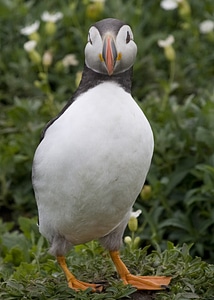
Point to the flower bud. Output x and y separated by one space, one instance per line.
34 36
146 192
50 28
184 9
169 53
133 224
35 57
94 10
37 84
136 242
42 76
47 58
59 66
128 240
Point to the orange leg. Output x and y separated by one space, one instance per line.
73 283
140 282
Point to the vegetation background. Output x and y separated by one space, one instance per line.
172 82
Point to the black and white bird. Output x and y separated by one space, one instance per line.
93 158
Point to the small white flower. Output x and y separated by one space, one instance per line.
167 42
28 30
169 4
206 26
47 17
70 60
136 214
30 45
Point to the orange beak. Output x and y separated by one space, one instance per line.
109 54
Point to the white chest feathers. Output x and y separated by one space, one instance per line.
91 164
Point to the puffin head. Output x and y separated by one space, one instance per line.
110 48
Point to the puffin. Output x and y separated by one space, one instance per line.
94 156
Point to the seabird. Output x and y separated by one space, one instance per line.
93 158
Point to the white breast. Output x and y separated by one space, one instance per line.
91 164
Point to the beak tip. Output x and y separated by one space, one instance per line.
110 72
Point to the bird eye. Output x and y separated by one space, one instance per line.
128 37
89 39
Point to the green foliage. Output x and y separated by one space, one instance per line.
28 271
176 95
181 208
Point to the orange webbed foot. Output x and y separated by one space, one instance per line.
74 283
148 282
140 282
78 285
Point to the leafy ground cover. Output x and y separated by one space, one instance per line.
27 271
172 82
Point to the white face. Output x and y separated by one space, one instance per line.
110 54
